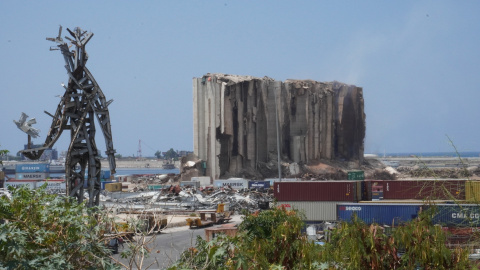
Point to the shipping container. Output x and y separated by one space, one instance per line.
273 180
156 187
314 211
123 178
105 174
195 184
54 185
31 176
462 230
204 180
32 168
125 186
472 191
377 193
369 186
113 187
355 175
424 189
347 191
460 215
259 184
235 184
383 214
29 184
102 184
2 179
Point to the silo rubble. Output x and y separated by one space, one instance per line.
235 128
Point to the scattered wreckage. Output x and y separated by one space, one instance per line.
188 199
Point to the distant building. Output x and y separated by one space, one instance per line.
183 153
48 154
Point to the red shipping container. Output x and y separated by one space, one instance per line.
424 189
346 191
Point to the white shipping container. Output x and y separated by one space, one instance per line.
29 184
314 211
273 180
235 184
31 176
54 186
195 184
204 180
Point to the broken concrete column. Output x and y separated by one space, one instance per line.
235 122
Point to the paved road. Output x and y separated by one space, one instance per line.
166 247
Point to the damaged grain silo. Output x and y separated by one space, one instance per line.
235 128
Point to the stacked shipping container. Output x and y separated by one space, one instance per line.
317 199
347 191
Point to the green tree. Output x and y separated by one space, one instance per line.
269 239
44 231
171 154
3 152
158 154
355 245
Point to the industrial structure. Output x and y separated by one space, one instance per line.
82 102
237 120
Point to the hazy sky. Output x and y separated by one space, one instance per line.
417 61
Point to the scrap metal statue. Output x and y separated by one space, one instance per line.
82 102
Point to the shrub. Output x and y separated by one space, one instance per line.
44 231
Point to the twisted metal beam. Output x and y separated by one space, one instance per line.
82 102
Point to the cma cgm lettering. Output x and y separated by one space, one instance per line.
463 215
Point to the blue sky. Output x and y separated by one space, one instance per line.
417 61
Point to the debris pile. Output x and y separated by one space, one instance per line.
171 195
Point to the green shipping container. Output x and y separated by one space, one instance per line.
155 187
356 175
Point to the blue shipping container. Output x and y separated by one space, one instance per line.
32 168
462 215
383 214
259 184
105 174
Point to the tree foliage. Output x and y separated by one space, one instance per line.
44 231
3 152
415 245
171 154
269 239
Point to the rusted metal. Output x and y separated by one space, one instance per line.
82 102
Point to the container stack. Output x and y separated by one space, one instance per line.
317 199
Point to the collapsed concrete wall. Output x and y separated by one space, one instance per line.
235 127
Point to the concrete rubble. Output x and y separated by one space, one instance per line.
173 197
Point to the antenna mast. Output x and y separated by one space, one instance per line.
139 152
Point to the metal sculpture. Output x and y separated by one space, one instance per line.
82 102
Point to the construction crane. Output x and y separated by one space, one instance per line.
82 102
